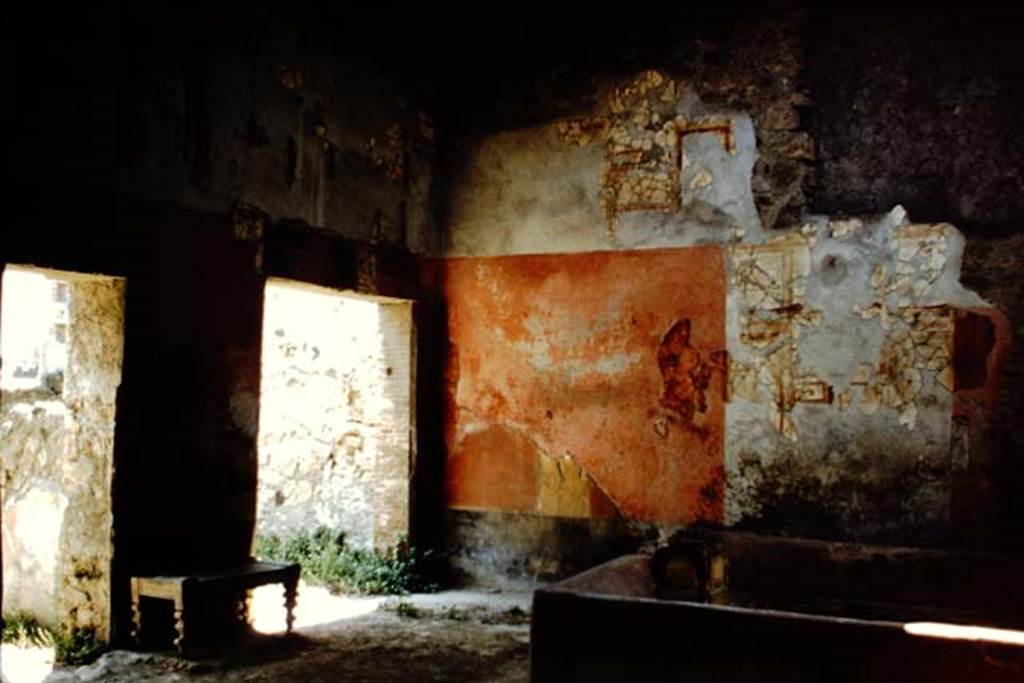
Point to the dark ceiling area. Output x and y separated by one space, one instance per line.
919 106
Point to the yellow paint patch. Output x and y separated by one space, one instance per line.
564 488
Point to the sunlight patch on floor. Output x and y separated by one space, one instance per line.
960 632
25 664
315 606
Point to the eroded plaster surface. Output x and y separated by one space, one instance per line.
842 381
335 425
842 369
652 167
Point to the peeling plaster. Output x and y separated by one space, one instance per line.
771 280
838 369
646 162
841 343
651 167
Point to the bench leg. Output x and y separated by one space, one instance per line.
136 613
242 607
179 625
291 591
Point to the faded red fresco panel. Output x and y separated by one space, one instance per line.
494 469
613 358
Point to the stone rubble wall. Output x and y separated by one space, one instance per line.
334 417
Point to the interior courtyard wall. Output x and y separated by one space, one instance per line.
334 416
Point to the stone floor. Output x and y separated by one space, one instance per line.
447 636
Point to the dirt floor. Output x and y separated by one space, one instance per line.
447 636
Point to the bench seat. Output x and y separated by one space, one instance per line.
186 588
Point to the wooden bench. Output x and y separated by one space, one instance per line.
184 590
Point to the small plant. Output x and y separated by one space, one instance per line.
407 610
24 630
325 559
73 646
78 646
512 615
453 613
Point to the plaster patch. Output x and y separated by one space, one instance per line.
701 179
643 139
838 229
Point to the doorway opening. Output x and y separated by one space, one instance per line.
61 345
336 428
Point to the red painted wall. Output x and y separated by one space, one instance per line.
611 362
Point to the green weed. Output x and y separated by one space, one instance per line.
326 560
24 630
78 646
75 646
407 610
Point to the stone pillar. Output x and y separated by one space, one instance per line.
95 347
